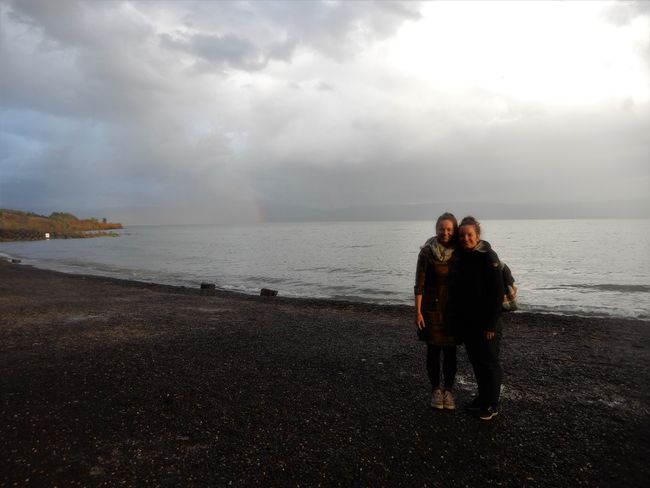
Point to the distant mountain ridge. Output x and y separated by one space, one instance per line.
273 211
632 209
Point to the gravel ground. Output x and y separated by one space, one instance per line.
107 382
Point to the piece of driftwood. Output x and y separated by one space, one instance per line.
266 292
207 286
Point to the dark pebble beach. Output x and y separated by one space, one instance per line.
108 382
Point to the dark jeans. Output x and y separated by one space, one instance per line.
448 365
484 357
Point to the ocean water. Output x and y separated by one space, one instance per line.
583 267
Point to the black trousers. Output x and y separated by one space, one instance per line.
484 357
448 365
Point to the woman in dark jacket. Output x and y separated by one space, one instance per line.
435 268
479 296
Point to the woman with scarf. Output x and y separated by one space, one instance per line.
478 296
434 272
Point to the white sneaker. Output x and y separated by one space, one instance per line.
448 400
436 399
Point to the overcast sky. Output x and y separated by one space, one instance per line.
211 112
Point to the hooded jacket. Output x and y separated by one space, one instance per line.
478 289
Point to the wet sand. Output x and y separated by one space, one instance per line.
108 382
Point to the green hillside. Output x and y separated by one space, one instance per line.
18 225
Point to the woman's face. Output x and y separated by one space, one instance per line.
445 231
468 237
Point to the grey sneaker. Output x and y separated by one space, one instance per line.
448 400
436 399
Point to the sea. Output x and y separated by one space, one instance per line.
574 267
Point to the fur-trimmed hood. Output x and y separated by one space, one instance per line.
482 246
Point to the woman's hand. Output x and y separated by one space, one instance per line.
489 335
419 320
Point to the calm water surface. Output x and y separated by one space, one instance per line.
592 267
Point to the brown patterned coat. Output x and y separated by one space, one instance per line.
433 279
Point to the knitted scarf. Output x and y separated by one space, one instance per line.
440 252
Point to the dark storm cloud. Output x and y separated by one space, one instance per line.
277 29
338 29
226 50
92 59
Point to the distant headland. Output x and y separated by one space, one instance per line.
16 225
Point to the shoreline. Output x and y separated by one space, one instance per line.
108 381
39 236
325 300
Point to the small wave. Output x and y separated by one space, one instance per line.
357 299
263 279
325 269
335 270
339 287
605 287
363 272
373 292
317 268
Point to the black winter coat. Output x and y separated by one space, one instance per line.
478 290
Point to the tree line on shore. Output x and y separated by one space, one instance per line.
19 225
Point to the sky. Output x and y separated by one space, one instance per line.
163 112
